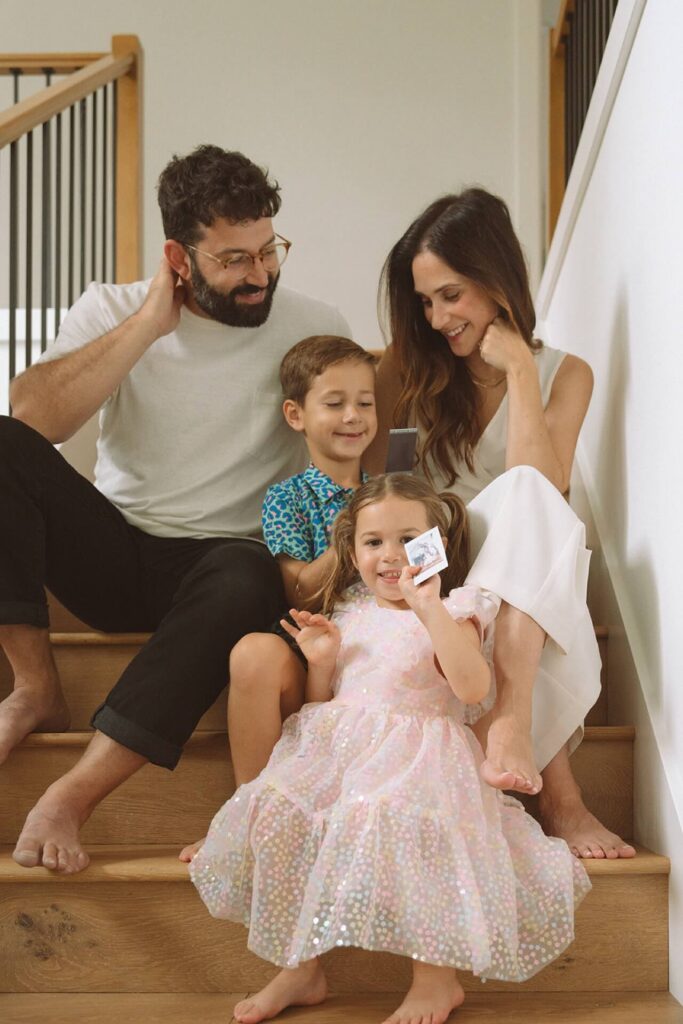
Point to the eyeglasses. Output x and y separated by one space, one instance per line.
241 263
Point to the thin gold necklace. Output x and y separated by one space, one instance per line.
486 383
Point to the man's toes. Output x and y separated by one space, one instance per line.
28 854
626 850
64 860
50 856
81 860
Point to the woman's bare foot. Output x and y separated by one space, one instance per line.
433 995
583 833
27 710
188 853
305 985
50 836
509 762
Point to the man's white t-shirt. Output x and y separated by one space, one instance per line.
194 435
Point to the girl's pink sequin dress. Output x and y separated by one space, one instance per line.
370 825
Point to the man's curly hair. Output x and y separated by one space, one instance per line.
195 190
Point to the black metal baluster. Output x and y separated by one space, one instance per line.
115 150
46 227
72 204
13 244
105 176
16 72
58 227
28 289
93 177
84 161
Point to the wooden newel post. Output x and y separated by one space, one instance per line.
556 130
128 163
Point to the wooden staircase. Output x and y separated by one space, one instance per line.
129 937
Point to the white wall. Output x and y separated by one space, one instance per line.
611 293
364 110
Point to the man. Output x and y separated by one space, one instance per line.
185 372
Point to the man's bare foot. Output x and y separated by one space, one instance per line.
510 760
188 853
433 995
28 710
305 985
50 837
583 833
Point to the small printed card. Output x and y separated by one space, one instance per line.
427 551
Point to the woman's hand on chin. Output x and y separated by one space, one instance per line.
503 347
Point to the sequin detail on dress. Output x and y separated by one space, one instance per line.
370 825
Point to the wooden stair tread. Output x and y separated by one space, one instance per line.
104 639
592 733
133 863
370 1008
98 639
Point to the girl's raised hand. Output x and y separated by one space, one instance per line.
423 596
317 636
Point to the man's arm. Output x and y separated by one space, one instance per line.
58 397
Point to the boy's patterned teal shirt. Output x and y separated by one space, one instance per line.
299 512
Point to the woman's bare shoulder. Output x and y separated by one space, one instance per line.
574 374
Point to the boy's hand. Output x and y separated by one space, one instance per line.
317 637
423 597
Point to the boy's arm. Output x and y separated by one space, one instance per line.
303 580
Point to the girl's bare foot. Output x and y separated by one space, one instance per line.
188 853
584 835
305 985
433 995
510 760
29 709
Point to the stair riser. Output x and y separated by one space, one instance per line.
89 672
144 937
154 806
157 806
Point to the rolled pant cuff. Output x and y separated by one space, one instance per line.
129 734
24 613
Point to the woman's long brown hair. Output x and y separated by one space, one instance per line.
472 233
445 511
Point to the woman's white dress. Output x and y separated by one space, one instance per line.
529 548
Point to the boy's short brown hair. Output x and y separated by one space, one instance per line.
309 358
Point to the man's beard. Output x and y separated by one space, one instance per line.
223 306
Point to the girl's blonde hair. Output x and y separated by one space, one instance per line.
445 511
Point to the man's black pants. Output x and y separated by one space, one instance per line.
198 596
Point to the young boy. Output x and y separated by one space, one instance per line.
328 385
329 389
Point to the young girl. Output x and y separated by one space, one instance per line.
371 826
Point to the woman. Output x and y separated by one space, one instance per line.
488 400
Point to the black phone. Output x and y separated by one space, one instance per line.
401 454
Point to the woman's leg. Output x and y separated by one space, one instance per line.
504 734
564 814
433 995
510 762
304 985
267 683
